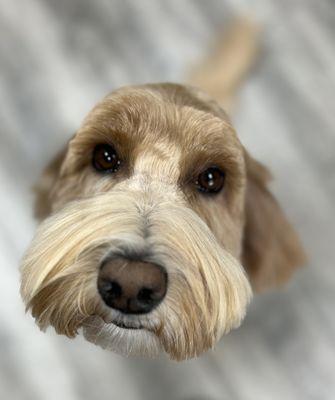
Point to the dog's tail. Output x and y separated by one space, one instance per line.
234 53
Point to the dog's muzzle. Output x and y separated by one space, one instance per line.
140 273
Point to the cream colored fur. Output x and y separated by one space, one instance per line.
208 290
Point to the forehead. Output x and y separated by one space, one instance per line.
156 115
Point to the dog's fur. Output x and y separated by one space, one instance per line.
212 247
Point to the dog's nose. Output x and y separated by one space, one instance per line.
132 287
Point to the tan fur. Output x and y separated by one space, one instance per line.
165 134
233 55
271 249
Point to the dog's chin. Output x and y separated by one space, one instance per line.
121 339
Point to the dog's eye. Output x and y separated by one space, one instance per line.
105 158
211 180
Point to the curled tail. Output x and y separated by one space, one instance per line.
223 70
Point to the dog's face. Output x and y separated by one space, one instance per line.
144 245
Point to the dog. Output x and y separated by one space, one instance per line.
157 225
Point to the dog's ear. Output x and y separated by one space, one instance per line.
44 186
271 248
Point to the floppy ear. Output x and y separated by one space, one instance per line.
271 248
44 186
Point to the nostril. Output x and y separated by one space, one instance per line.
145 295
110 289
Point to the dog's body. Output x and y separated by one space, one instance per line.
160 221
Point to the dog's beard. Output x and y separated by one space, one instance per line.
130 342
207 290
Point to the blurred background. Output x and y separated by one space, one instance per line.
57 59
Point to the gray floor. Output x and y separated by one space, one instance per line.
57 58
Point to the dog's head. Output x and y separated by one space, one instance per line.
155 206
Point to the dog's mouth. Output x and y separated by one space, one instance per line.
129 337
126 326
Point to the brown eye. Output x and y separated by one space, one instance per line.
105 158
211 180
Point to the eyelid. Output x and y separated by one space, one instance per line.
193 176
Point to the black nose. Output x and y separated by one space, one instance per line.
133 287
